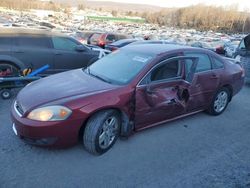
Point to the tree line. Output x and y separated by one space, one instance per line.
203 18
200 17
30 4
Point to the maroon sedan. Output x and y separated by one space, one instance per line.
137 87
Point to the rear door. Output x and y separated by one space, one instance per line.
66 56
205 83
164 93
34 51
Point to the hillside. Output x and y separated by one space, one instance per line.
108 5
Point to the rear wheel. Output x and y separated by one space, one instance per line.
8 70
5 94
220 101
101 132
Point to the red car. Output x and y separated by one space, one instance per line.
102 39
134 88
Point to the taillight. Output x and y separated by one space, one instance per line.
101 43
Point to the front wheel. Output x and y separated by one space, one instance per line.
220 102
101 131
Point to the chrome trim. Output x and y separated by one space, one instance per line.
14 129
18 113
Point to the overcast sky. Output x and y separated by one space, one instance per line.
242 4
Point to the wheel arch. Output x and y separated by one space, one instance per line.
126 126
230 88
13 61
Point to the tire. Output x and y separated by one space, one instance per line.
6 94
101 131
220 102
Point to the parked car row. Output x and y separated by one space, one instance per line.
28 48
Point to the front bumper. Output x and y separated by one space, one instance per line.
55 134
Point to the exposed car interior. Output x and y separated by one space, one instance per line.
166 71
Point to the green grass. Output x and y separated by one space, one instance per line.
115 19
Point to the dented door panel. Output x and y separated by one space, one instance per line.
159 102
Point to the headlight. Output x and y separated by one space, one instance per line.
50 113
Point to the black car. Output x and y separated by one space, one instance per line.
25 48
242 55
118 44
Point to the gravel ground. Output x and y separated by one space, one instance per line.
197 151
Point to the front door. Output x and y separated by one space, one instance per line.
66 57
164 92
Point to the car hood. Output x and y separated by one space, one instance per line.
59 87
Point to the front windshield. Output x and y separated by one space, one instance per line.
119 67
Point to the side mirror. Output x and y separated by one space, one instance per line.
149 89
80 48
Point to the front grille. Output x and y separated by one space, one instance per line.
18 108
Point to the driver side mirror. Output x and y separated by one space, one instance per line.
149 89
80 48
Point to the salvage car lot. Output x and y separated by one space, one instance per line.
197 151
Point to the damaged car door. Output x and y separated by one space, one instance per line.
164 92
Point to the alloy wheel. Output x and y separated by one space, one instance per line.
109 132
220 102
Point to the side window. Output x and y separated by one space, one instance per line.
110 38
94 38
33 41
61 43
168 70
204 63
242 45
121 37
217 64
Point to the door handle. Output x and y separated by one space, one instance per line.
18 51
172 101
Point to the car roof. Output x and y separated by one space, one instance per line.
27 31
121 41
158 49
